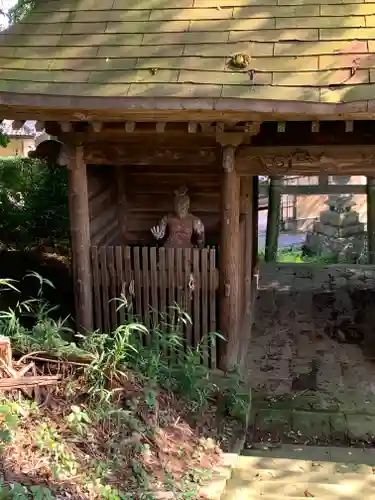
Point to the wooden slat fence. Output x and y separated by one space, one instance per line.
161 287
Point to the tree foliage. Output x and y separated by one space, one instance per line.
33 202
20 9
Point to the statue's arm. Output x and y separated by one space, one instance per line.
199 231
158 231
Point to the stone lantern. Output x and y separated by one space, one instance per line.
338 234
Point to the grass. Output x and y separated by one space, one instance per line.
125 422
294 254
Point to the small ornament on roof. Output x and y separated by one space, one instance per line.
240 61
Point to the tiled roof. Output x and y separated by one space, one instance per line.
298 50
27 129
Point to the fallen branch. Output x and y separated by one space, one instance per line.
46 357
23 382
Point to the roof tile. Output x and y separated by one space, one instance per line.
133 76
346 33
229 78
321 78
320 48
306 50
321 22
229 49
174 89
203 64
190 14
92 64
347 61
276 11
294 35
348 10
147 27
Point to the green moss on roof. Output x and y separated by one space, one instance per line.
297 49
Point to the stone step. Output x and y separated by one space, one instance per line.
283 465
299 455
249 489
320 475
239 496
293 472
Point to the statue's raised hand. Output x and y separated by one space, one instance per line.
157 232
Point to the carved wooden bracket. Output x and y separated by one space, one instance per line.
305 160
230 138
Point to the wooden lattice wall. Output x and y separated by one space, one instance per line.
163 287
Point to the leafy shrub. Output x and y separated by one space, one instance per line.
33 202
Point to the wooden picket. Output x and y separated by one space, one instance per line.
158 283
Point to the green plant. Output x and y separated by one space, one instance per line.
118 415
63 462
46 333
18 491
9 416
78 420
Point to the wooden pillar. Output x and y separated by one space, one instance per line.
273 218
247 216
80 235
246 316
255 221
371 219
121 202
230 259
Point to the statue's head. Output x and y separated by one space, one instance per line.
181 202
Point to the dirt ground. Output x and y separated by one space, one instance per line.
311 365
294 329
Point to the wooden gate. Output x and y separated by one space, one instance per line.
158 283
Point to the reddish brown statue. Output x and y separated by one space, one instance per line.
183 229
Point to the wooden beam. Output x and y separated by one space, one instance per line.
229 259
160 127
149 154
80 235
319 189
219 129
349 126
192 127
273 218
130 127
66 126
97 126
371 219
252 128
315 127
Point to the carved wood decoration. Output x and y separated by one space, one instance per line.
305 160
140 154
